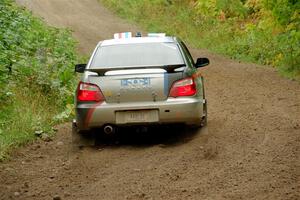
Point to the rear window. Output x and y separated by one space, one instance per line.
135 55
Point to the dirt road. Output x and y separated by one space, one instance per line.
250 149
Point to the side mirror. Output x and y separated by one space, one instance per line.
202 62
80 68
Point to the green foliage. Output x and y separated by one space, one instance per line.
33 54
261 31
231 8
283 10
36 74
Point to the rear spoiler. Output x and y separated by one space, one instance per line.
168 68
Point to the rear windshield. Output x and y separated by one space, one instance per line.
135 55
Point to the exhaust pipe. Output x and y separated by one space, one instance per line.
108 129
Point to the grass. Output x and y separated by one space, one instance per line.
30 112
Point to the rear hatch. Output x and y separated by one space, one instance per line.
138 85
137 69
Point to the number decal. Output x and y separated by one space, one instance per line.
135 82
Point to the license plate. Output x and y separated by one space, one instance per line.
139 116
135 82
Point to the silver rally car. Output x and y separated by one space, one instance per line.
140 81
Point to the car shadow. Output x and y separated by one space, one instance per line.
165 136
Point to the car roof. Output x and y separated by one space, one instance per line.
138 40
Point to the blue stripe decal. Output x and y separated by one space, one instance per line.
166 84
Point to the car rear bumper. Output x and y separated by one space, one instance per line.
185 110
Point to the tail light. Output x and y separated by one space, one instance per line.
89 92
184 87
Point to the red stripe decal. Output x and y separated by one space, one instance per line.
90 114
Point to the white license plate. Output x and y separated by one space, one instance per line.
138 116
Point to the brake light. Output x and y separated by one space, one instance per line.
89 92
184 87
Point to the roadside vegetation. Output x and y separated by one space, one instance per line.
259 31
36 77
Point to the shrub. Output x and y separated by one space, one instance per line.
36 75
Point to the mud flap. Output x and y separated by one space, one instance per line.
204 116
81 139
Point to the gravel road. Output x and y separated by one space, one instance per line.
249 150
